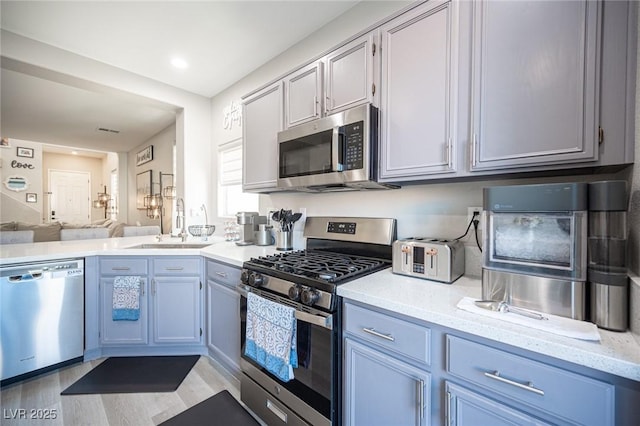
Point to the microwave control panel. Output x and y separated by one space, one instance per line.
353 145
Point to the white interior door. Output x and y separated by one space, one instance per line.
69 196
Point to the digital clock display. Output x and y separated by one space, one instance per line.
342 227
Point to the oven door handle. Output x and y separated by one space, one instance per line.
319 320
325 322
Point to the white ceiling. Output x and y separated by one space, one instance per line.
221 40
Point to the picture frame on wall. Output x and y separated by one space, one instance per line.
32 197
143 188
144 156
24 152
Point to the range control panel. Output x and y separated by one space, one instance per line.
342 227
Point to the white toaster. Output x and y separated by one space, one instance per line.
429 258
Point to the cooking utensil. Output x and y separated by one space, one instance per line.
499 306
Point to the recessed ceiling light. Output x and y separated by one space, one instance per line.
179 63
74 152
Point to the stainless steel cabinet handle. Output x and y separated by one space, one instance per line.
153 287
474 147
221 274
120 268
142 287
372 331
174 268
495 375
420 385
278 412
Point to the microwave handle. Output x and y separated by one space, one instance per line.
337 150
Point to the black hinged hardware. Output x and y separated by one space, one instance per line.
200 332
200 285
373 49
600 135
373 89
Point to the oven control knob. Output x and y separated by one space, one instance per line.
295 292
309 296
256 279
244 277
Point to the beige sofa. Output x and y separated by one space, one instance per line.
51 231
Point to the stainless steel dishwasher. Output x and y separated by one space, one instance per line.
42 320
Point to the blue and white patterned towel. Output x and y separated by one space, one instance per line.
271 336
126 298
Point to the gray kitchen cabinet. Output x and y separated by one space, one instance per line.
381 386
303 95
223 314
418 89
123 332
467 379
176 289
382 390
263 118
170 301
351 74
534 87
467 408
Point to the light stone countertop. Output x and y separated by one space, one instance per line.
616 353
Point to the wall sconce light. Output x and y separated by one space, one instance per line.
153 203
103 201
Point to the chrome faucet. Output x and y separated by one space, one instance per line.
180 219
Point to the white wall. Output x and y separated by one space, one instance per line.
13 205
162 162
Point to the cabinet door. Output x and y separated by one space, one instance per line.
380 390
223 323
176 309
122 332
535 83
262 114
464 407
302 95
349 75
419 80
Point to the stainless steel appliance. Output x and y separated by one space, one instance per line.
42 319
429 258
338 250
249 224
607 254
334 153
535 247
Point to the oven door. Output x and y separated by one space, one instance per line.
313 394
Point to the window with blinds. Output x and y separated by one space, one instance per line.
231 199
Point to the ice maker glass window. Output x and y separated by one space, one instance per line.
534 239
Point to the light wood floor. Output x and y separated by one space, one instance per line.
137 409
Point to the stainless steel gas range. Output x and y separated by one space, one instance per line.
339 249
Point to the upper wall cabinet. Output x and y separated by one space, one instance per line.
343 79
534 87
350 75
262 114
303 94
418 85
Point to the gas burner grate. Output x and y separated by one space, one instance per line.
323 266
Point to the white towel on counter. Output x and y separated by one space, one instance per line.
126 298
555 324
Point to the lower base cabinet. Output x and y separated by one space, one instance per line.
176 309
467 408
381 390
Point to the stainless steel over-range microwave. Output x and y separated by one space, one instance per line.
334 153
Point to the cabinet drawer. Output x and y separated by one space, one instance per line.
572 397
400 336
123 266
223 274
176 266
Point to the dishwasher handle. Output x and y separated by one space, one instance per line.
30 276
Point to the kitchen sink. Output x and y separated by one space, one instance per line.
170 246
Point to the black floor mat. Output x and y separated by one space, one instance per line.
134 374
222 409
